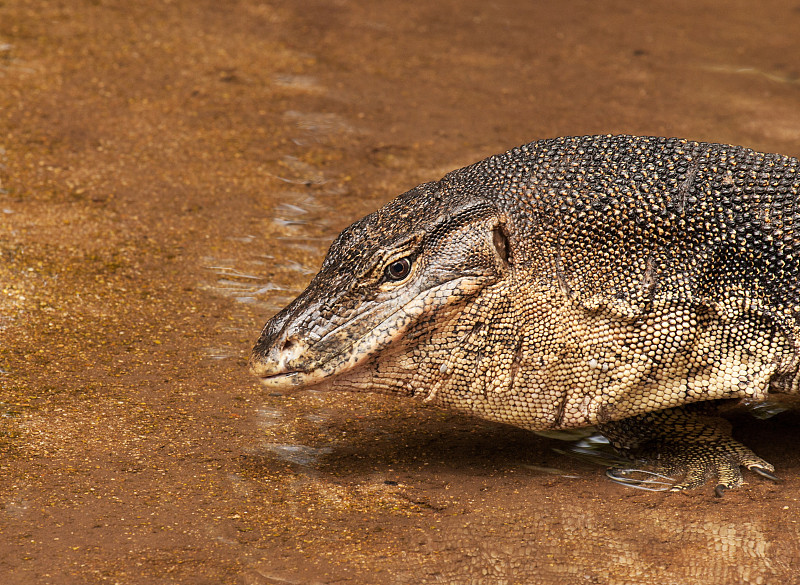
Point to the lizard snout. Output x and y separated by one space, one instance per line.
277 360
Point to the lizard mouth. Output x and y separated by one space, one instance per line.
386 331
289 379
281 376
283 380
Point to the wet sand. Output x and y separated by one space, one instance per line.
171 174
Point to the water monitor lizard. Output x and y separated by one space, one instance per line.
614 281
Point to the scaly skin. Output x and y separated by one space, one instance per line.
569 282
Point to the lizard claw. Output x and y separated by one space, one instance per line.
650 480
719 490
764 472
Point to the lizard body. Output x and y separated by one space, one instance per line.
597 280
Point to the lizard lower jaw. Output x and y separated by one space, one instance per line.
284 380
280 379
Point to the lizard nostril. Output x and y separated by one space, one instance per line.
288 345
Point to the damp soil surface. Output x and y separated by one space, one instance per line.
171 174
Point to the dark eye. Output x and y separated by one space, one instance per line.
399 269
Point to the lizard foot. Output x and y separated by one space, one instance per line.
680 443
721 459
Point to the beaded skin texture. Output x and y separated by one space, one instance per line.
596 280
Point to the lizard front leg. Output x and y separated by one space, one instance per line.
683 441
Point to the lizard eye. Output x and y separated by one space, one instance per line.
398 269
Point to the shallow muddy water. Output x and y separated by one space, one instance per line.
171 174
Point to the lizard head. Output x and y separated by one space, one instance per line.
368 319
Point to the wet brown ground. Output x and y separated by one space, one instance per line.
171 173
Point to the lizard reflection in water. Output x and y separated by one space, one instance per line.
632 283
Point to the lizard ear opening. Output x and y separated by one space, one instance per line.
500 240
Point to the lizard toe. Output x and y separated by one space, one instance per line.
765 472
